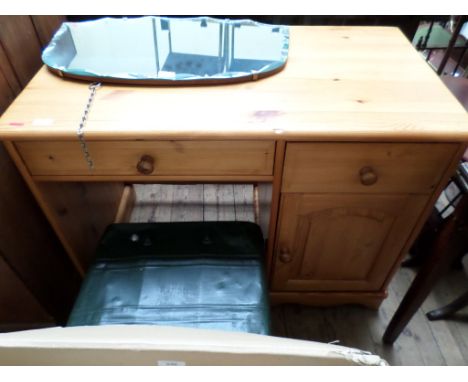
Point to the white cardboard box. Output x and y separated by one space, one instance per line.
164 345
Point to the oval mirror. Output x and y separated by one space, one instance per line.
167 51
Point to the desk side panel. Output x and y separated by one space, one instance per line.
82 211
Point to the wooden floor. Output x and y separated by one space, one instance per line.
422 343
200 202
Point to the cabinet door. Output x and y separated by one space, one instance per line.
341 242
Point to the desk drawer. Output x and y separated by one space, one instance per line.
151 158
365 167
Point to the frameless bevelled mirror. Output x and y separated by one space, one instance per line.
167 51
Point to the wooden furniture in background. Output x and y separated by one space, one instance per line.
357 135
38 282
450 241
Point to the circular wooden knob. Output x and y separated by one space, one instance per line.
145 165
368 176
285 257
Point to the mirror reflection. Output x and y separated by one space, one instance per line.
163 49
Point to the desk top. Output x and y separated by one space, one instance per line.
340 83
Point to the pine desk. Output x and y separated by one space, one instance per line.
357 136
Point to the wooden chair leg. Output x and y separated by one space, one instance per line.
449 309
446 249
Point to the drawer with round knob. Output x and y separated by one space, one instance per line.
149 159
365 167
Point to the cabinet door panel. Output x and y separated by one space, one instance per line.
341 242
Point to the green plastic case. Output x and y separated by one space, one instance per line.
196 274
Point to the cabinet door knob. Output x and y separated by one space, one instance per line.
285 256
145 165
368 176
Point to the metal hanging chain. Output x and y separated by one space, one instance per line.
80 132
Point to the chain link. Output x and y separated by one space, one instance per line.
80 132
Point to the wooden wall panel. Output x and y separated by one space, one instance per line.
8 71
30 246
19 40
18 307
9 85
46 26
7 94
38 283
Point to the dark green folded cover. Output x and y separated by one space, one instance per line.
197 274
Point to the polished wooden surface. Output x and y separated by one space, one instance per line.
365 167
379 140
341 242
340 83
161 158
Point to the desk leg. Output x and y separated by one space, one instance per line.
275 202
445 251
